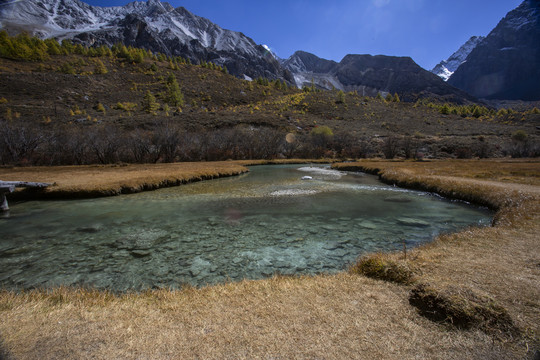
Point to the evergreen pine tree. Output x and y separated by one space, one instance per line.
340 97
67 46
175 96
138 57
53 48
149 103
100 67
478 111
445 109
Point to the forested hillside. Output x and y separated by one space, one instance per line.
67 104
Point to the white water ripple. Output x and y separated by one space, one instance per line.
293 192
323 172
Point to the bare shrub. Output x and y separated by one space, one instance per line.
165 140
106 143
18 142
409 146
139 146
390 147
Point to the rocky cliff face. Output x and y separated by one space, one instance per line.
370 75
447 67
302 61
153 25
506 64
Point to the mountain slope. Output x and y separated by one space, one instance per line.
505 65
447 67
154 25
370 75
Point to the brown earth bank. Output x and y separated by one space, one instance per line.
470 295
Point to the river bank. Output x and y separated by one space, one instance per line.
92 181
340 316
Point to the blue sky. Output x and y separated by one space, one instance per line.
426 30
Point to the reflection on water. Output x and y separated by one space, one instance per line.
252 226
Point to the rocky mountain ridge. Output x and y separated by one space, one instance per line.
369 75
157 26
447 67
505 64
153 25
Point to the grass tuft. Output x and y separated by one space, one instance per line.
378 266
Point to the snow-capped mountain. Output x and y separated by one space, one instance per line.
152 24
505 65
446 68
369 75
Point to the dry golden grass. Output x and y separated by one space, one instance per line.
321 317
502 262
325 317
103 180
110 180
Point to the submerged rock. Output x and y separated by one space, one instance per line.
199 266
398 199
140 253
332 246
366 224
412 222
89 229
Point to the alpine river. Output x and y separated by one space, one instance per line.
290 219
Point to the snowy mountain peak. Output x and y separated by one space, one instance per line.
446 68
505 64
150 24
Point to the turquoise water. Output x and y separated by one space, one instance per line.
251 226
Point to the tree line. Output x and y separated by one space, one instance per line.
26 143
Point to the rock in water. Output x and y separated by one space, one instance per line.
398 199
412 222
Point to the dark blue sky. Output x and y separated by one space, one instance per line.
426 30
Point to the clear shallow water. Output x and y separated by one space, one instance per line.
252 226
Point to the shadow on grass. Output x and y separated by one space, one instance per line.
463 309
4 353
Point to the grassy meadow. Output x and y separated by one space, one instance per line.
470 295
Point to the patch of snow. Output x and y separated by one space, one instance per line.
444 73
267 48
446 68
